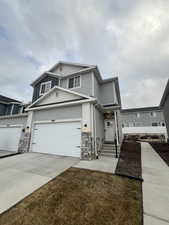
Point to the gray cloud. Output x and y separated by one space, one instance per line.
125 38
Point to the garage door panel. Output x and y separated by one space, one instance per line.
57 138
9 138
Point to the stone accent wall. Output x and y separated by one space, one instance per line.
24 142
87 147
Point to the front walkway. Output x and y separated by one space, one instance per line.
103 164
155 173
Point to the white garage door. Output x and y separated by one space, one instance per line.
57 138
9 138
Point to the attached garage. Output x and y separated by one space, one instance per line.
9 138
59 138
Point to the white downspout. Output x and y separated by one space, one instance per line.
12 109
94 116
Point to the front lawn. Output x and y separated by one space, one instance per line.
129 163
162 149
80 197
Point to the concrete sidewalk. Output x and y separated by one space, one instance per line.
155 173
104 164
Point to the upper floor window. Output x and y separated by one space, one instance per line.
74 82
153 114
138 115
45 87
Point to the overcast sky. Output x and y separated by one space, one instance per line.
125 38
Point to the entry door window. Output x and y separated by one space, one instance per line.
109 130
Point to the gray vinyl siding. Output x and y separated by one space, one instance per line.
99 124
107 93
97 92
166 114
37 86
86 84
119 125
61 113
2 109
14 120
8 109
145 119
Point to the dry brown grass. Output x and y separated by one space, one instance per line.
80 197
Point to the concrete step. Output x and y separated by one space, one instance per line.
112 155
112 148
108 145
109 151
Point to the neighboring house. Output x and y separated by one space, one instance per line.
73 112
9 106
164 104
147 120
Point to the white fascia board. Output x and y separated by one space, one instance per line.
75 64
61 104
9 103
11 125
103 109
54 74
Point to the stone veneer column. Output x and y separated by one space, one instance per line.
24 143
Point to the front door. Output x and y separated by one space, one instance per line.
109 130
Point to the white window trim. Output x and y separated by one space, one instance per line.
47 82
73 84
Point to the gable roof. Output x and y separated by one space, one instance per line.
7 100
165 94
85 68
79 96
142 109
71 64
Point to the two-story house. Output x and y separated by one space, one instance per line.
9 106
145 120
164 104
74 111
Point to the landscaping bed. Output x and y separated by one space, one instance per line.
129 163
80 197
162 149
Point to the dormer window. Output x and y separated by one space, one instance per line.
45 87
74 82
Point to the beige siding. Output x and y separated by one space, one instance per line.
58 96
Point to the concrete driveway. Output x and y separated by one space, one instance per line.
6 153
20 175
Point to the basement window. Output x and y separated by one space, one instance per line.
45 87
74 82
